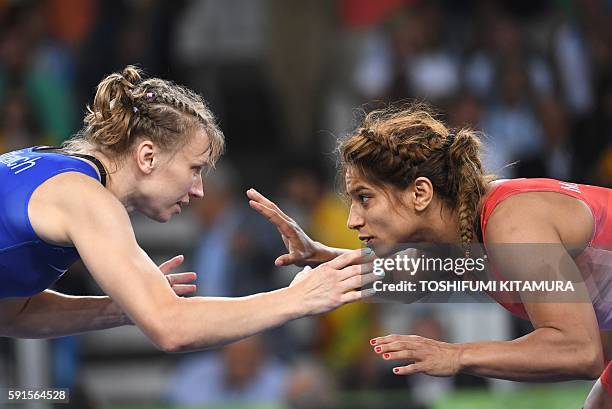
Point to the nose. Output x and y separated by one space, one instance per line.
355 220
197 189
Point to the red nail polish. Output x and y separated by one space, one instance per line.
373 342
386 356
378 349
395 370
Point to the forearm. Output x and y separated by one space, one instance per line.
543 355
51 314
202 322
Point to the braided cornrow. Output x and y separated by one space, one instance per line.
126 107
396 146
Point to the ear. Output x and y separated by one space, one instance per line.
146 156
422 194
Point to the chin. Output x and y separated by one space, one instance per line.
385 249
166 217
159 217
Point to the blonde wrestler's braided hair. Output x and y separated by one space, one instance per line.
127 106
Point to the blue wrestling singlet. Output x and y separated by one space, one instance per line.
29 265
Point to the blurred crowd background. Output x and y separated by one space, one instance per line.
285 79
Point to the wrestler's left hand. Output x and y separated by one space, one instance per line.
181 283
423 355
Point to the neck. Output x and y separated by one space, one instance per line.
120 179
444 225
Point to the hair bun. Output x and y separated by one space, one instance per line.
132 75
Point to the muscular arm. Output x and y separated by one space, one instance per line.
51 314
565 343
105 240
550 353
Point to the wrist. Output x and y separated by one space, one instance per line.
323 253
463 357
293 302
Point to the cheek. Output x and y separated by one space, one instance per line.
391 224
379 218
183 181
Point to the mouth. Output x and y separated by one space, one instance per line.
366 239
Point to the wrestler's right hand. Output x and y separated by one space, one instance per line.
302 250
336 282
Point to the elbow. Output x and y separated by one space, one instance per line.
165 334
596 366
168 344
169 341
592 363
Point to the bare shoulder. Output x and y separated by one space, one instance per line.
540 217
66 199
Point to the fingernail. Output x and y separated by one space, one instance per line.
396 370
378 349
386 356
367 250
373 341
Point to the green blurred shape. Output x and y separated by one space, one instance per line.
537 397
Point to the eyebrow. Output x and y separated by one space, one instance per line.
358 189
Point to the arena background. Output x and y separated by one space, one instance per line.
286 78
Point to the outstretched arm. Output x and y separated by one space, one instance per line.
302 250
105 240
550 353
51 314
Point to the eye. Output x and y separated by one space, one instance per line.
197 169
363 199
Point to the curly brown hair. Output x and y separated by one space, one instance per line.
395 145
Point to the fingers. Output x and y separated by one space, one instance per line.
257 197
171 264
405 355
358 281
285 260
181 278
267 211
395 346
359 256
281 223
392 338
409 369
184 289
355 271
400 348
353 296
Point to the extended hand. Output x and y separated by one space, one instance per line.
424 355
181 283
302 249
336 282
